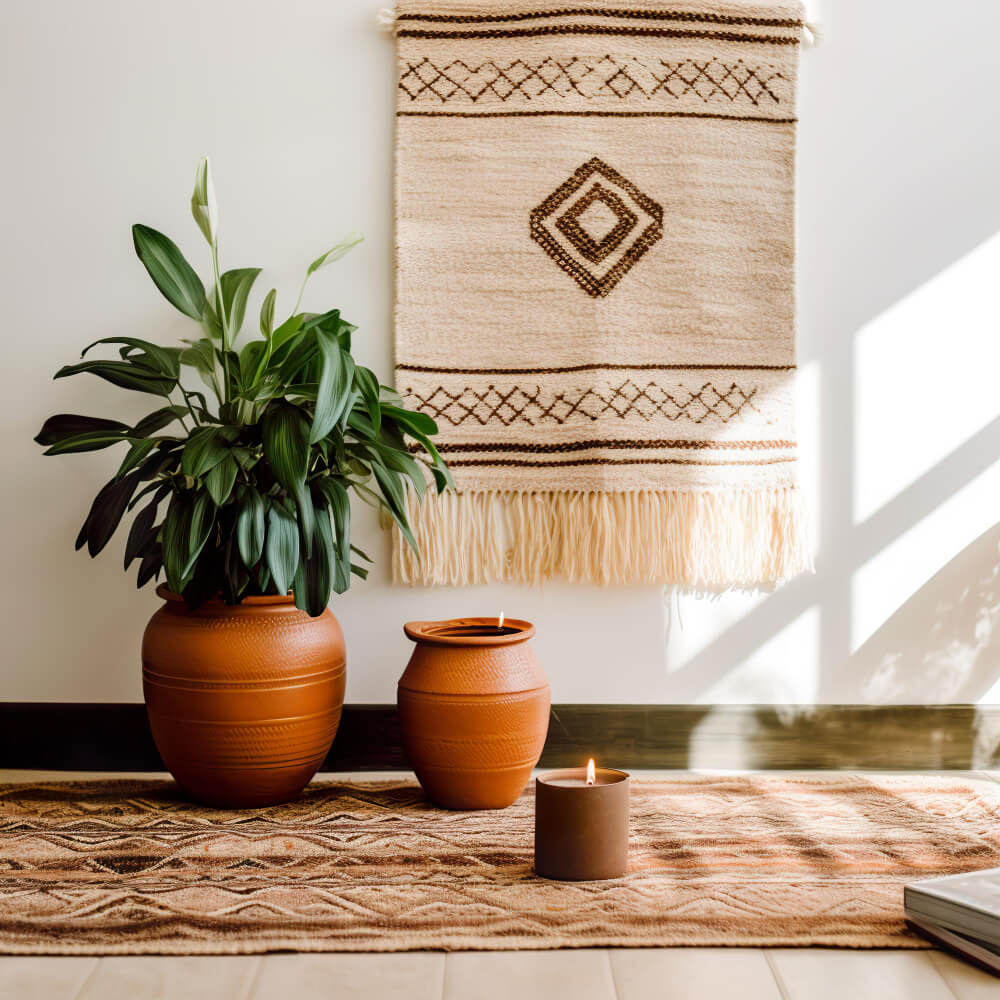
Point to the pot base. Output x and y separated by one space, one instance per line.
473 790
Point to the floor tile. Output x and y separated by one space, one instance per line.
692 973
385 976
43 977
577 973
967 982
171 977
830 974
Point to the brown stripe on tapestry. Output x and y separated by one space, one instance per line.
598 29
590 368
611 443
623 14
558 463
594 114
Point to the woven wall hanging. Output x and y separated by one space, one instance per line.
595 288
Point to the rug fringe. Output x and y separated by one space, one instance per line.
703 540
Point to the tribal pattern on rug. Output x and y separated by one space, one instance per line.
595 288
129 867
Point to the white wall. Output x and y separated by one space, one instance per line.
106 107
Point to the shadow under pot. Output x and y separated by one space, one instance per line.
244 700
474 710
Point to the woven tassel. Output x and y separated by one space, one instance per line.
702 540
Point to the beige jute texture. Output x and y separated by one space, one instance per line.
595 287
130 867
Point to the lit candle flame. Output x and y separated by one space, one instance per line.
500 622
591 772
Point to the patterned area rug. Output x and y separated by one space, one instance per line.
125 867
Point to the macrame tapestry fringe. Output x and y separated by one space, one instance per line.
702 540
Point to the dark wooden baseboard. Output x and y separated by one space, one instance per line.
92 737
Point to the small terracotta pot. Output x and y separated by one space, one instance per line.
244 700
474 710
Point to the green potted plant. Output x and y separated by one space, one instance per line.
242 496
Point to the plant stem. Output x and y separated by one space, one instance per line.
166 396
302 290
187 403
222 319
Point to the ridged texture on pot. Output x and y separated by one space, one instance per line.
243 701
474 720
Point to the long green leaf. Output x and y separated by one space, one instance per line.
173 537
68 425
88 441
313 577
124 374
106 512
334 385
204 450
289 329
411 420
159 487
282 547
294 359
136 453
335 252
171 273
340 505
250 527
394 493
142 532
163 360
210 323
251 360
236 285
186 529
152 563
420 427
202 522
367 385
400 461
220 479
285 432
267 314
157 420
307 516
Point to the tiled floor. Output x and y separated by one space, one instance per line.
585 974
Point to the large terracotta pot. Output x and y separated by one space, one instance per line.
474 711
243 700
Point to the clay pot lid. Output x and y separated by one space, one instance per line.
470 632
259 599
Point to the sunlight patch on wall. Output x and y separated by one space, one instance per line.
808 433
694 623
785 670
905 565
926 377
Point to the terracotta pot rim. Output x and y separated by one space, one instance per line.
449 632
257 600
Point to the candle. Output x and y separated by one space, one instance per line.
581 824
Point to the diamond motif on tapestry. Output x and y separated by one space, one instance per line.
596 226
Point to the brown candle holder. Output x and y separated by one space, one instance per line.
581 831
